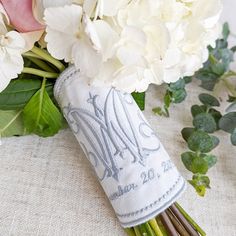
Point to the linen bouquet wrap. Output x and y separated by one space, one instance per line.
132 165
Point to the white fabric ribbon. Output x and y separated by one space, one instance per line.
133 167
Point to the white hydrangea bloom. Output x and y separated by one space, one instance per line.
77 39
11 46
162 40
130 44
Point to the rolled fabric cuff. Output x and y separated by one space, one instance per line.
131 164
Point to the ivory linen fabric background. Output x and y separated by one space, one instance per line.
47 187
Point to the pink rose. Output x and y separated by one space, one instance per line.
21 15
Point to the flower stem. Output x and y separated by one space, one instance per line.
155 227
137 232
130 232
230 87
46 56
40 73
31 54
41 64
190 220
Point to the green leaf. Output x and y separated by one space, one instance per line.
208 100
196 109
194 163
233 49
200 183
19 92
180 84
216 115
188 79
233 138
205 122
228 122
218 68
231 99
226 31
41 116
208 78
210 159
157 111
231 107
11 123
139 99
178 96
167 100
215 141
186 133
200 141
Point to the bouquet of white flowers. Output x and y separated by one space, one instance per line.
101 51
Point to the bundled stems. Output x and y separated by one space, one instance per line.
40 73
46 56
47 66
173 222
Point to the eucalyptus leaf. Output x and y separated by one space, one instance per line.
180 84
226 31
186 133
194 163
209 100
205 122
178 96
216 115
41 116
233 138
196 109
231 107
200 141
188 79
11 123
228 122
210 159
215 141
200 183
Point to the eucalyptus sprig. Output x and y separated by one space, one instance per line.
200 141
175 93
215 75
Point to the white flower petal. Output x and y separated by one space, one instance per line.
62 30
4 81
31 38
86 58
107 38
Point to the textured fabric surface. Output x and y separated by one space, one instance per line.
47 187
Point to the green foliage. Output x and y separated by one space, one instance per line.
11 123
208 100
205 122
20 91
196 110
139 99
200 141
233 138
200 183
187 132
41 116
218 62
194 163
175 93
228 122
